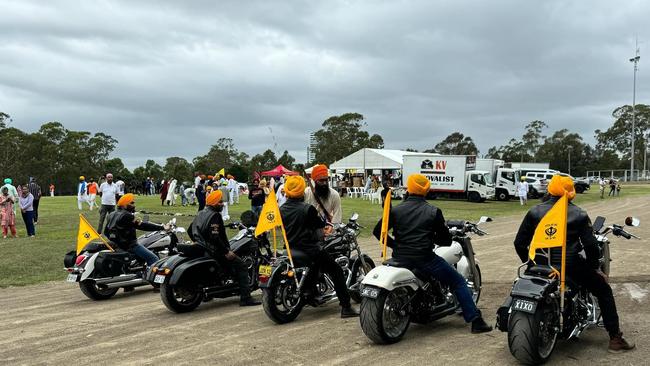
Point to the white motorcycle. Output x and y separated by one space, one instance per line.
101 272
393 296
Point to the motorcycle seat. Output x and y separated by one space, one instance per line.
537 270
191 250
397 263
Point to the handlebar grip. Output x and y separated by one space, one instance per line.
626 235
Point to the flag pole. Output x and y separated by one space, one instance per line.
384 224
563 267
275 243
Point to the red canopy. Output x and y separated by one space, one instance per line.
279 171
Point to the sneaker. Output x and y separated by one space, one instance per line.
618 344
249 302
480 326
348 312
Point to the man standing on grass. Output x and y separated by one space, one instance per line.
35 190
82 196
108 193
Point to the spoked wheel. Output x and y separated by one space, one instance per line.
94 292
180 299
386 318
281 301
532 337
360 271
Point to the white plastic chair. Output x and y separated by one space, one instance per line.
376 196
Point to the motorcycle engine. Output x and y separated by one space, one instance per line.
344 263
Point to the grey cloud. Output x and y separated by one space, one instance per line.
169 78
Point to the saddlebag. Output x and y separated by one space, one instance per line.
111 264
69 259
503 315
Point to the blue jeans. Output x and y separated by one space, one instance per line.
28 218
257 210
439 269
145 254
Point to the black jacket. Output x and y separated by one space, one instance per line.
121 226
207 230
301 222
580 234
417 227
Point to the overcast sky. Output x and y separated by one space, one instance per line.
169 79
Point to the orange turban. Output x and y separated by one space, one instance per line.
210 176
418 184
127 199
229 176
213 198
319 171
294 187
559 185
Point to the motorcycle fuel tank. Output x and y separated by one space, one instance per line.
451 254
156 239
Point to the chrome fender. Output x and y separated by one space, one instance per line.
389 278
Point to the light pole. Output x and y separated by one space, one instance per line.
570 148
635 61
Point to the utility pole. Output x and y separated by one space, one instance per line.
570 148
635 61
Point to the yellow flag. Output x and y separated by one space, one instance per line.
221 172
270 215
551 231
86 234
383 237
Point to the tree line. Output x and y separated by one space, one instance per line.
57 155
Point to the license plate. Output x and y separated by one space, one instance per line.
72 278
526 306
265 270
159 279
370 292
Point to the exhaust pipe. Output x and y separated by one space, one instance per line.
123 281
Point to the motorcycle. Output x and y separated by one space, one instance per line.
192 276
101 272
531 314
284 292
394 296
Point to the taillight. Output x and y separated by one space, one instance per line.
264 278
80 259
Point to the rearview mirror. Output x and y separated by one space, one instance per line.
173 221
355 217
484 219
180 229
632 221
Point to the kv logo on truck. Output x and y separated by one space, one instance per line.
428 166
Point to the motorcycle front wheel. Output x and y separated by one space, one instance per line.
359 272
281 301
180 299
385 319
532 337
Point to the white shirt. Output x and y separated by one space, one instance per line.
522 189
281 198
197 181
120 187
332 204
108 192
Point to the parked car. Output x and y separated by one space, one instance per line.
537 187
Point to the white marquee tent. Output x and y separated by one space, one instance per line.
372 159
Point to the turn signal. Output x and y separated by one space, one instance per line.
167 271
290 273
154 270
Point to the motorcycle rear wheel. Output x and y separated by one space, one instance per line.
180 300
380 318
279 301
90 289
530 338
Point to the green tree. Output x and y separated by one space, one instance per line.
287 160
455 144
341 136
264 161
616 139
532 138
223 154
179 168
556 149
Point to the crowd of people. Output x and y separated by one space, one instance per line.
613 184
25 197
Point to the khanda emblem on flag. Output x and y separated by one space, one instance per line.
270 216
86 235
550 232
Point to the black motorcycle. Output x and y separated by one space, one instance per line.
192 276
532 316
284 293
101 272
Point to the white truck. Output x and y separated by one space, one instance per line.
504 179
452 176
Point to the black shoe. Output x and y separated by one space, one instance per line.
249 302
129 289
480 326
348 312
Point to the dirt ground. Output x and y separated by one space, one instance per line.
54 323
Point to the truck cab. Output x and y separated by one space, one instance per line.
506 183
479 185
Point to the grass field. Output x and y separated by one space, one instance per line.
25 261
